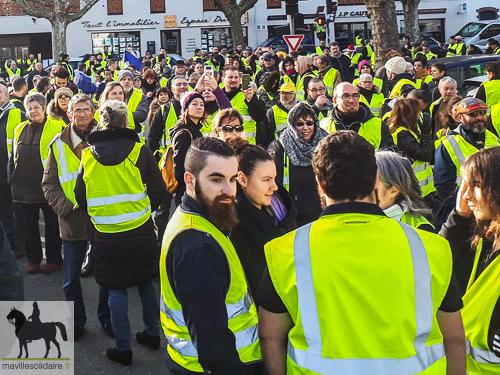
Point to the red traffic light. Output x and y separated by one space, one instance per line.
320 21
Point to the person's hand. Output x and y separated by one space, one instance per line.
426 124
462 207
321 100
149 94
248 94
209 80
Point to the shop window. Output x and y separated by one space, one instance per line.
115 7
209 5
218 37
157 6
117 42
273 4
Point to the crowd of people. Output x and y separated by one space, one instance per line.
326 214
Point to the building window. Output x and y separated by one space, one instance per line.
115 7
273 4
117 42
209 5
487 13
157 6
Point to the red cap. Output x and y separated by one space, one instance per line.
351 48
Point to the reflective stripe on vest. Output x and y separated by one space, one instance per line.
280 119
312 359
116 196
67 168
13 120
170 122
249 125
396 91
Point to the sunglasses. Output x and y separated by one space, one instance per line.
64 97
481 112
230 129
300 124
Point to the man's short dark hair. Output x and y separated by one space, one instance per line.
422 95
421 58
334 44
82 67
439 66
62 73
345 165
324 59
201 149
18 84
494 42
314 80
44 82
197 50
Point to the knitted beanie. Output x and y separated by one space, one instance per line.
396 65
363 63
63 91
125 73
188 97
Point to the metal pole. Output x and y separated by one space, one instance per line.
292 26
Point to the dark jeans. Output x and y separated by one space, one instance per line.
74 254
162 214
53 242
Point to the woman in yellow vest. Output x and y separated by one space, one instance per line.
489 91
58 107
268 90
447 120
288 72
119 185
475 224
30 151
399 193
226 123
162 96
304 66
370 93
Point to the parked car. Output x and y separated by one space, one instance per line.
464 67
478 33
471 85
435 46
278 43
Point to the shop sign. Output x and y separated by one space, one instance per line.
114 23
203 22
170 21
425 11
357 13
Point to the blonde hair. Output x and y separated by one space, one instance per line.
113 114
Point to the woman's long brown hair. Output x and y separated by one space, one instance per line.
405 114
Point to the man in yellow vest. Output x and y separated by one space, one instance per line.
456 47
489 91
370 93
246 102
135 99
350 114
13 69
468 138
311 321
277 115
321 47
318 98
329 75
76 229
10 117
398 76
206 311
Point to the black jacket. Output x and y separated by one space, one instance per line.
130 258
4 155
343 64
256 228
415 150
157 127
43 73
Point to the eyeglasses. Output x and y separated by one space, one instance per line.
64 97
348 97
80 111
314 91
230 129
365 82
480 112
300 124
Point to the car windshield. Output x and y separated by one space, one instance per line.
471 29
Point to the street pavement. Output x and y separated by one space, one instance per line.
90 357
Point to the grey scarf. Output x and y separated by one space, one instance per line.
299 151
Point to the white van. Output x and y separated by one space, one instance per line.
478 33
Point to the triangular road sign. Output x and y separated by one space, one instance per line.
293 41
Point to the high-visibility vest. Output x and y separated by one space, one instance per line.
375 104
329 80
480 300
319 28
117 200
170 122
67 167
271 98
360 42
13 120
338 332
249 125
459 149
422 169
492 91
241 311
286 79
133 103
431 56
215 67
50 130
457 48
441 135
355 62
396 90
376 81
415 221
370 130
495 117
31 64
280 119
206 129
319 50
11 73
301 90
163 81
428 79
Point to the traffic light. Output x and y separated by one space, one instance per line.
291 7
321 20
331 6
298 21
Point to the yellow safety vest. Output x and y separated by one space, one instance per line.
354 62
431 56
336 331
13 120
319 50
31 64
67 167
479 301
206 130
280 119
133 103
375 104
376 81
359 41
495 117
11 73
241 311
170 122
329 80
301 90
286 79
457 48
415 221
370 130
459 149
249 125
422 169
117 200
492 90
396 91
50 130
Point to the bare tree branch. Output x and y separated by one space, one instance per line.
246 5
221 5
39 12
88 4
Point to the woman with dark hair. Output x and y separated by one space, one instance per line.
414 139
265 209
238 63
292 153
398 191
473 231
226 123
448 119
288 72
489 92
149 84
365 67
162 96
268 90
58 108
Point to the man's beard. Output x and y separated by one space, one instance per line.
222 215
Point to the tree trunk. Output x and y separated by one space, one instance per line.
412 29
382 14
59 27
234 18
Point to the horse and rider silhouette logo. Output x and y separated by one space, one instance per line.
32 328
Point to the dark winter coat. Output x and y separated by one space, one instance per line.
130 258
11 278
